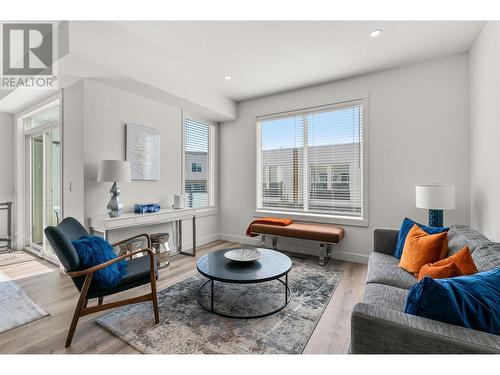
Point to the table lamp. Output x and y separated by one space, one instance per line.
435 198
114 171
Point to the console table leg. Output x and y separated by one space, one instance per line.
9 226
194 235
179 235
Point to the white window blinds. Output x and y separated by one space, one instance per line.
312 161
197 163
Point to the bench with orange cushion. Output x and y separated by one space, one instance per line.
326 234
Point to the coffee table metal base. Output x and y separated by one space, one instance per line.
212 310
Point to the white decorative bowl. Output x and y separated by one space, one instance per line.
243 255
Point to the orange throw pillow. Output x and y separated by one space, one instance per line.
440 272
444 249
462 259
268 220
421 248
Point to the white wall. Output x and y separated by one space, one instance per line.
106 110
7 130
73 146
7 164
418 133
485 131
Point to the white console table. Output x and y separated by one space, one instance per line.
104 224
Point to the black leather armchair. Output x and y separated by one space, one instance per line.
140 271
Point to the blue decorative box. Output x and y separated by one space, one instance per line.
146 208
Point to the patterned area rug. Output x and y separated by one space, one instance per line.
16 308
185 327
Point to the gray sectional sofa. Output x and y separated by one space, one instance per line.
379 325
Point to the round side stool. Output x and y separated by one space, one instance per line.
131 246
159 242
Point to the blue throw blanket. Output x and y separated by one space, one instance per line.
471 301
94 250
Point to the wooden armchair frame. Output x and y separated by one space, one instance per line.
81 306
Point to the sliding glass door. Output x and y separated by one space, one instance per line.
36 237
43 167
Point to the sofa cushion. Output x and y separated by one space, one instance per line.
385 296
384 269
462 235
406 226
441 271
422 248
487 256
375 329
471 301
460 263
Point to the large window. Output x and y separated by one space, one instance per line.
311 161
198 162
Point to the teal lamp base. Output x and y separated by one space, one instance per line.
435 218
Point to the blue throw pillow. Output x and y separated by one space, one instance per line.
469 301
405 229
94 250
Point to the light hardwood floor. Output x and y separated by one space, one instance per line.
56 293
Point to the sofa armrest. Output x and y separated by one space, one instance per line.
376 329
385 240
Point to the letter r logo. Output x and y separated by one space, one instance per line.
27 48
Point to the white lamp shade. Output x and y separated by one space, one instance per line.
114 171
435 197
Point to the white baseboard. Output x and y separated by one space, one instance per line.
350 257
339 255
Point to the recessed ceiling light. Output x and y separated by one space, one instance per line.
375 33
227 78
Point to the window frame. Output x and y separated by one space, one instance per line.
211 209
361 221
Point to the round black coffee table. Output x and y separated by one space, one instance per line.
216 267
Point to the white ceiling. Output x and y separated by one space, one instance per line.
269 57
184 62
